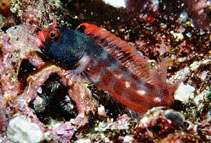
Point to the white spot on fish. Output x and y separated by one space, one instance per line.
157 99
118 76
140 92
127 84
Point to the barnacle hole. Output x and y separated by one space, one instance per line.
53 101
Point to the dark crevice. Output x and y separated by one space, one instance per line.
54 102
113 107
1 49
26 68
43 57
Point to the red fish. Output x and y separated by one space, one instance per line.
110 63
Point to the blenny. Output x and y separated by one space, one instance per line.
94 54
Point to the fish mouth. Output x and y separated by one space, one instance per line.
43 34
41 37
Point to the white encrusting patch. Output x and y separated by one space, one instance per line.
116 3
127 84
82 64
157 99
140 92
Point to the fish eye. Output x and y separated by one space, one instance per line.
53 34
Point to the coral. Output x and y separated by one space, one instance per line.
3 120
14 52
199 12
180 138
6 17
189 90
17 49
4 7
158 124
109 131
168 126
35 13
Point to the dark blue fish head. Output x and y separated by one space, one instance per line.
63 45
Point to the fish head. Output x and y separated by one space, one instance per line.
60 45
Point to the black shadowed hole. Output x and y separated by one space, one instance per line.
1 49
81 28
5 28
178 106
3 4
43 57
176 119
45 141
166 54
26 68
54 102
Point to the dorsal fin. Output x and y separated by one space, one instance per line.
123 52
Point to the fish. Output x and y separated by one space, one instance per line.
98 56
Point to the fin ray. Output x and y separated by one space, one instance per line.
126 54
